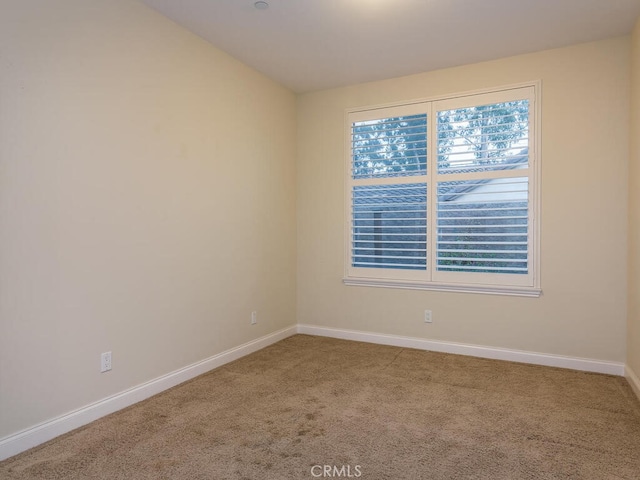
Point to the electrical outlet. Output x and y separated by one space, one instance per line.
105 362
427 316
254 317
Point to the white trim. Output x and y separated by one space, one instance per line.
633 380
444 287
444 96
522 356
33 436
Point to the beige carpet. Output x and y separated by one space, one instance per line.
374 411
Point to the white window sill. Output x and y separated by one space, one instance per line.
445 287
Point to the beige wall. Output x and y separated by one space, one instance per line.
585 151
147 203
633 335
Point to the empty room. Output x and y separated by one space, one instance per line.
298 239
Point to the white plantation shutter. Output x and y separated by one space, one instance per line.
463 220
388 193
482 181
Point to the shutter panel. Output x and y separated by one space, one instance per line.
389 218
389 147
483 189
483 138
483 226
389 226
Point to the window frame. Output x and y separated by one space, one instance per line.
431 278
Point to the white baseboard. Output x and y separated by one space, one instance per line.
521 356
43 432
633 380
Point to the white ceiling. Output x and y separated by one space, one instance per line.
315 44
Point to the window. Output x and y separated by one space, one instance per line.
443 194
